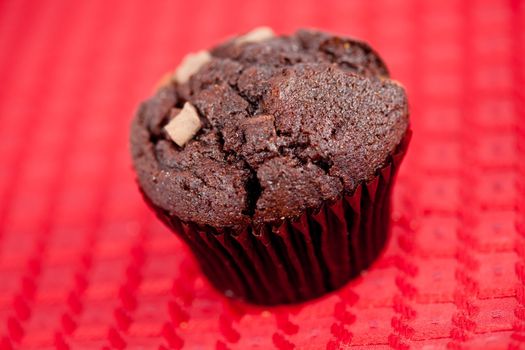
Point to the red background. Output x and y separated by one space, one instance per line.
84 264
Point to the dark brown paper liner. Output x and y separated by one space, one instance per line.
302 258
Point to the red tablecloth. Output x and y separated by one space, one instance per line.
85 265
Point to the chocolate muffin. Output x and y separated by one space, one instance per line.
274 157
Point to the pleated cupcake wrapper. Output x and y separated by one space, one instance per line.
302 258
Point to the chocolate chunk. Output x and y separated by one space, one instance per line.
184 124
256 35
190 65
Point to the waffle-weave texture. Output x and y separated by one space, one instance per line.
85 265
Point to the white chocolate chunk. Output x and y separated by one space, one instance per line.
184 125
190 64
256 35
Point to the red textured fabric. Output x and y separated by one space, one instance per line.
85 265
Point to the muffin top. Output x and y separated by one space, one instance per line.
284 123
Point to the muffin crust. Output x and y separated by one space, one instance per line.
287 123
